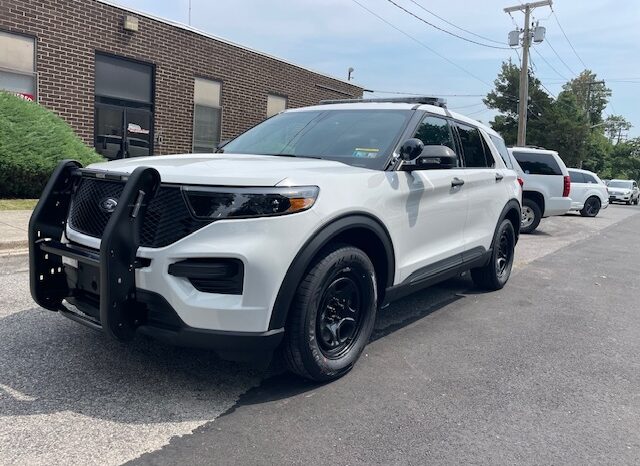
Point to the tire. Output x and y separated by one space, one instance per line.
531 216
336 297
591 207
495 274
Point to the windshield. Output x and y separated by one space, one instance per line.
620 184
363 138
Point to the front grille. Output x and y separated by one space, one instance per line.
167 219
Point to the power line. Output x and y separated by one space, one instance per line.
423 93
565 36
560 58
419 18
549 64
466 106
422 44
454 25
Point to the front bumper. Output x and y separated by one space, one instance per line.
133 290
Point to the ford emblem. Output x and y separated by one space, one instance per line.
108 205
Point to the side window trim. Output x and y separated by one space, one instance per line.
454 135
484 144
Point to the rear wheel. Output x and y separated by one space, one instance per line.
496 273
332 315
591 207
531 216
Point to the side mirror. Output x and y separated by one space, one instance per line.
435 157
411 149
438 157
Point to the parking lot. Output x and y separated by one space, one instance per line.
544 371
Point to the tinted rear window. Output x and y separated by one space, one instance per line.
576 177
537 164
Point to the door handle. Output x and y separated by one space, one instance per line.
455 182
499 176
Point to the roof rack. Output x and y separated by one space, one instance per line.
437 101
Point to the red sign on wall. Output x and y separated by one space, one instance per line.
25 96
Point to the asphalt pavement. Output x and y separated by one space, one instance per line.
544 371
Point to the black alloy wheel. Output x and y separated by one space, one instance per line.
495 274
332 314
591 207
339 318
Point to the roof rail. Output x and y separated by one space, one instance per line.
437 101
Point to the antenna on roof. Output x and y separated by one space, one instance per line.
427 100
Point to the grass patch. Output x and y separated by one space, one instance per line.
18 204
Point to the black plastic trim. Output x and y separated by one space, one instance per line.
438 272
317 241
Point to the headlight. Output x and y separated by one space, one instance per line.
220 202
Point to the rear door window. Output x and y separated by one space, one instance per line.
502 150
535 163
474 147
589 178
576 177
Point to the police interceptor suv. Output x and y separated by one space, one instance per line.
292 236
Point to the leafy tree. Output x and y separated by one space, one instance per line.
592 95
505 98
615 127
567 129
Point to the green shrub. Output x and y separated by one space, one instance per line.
32 142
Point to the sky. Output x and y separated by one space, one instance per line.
330 36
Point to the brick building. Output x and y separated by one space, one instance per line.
132 84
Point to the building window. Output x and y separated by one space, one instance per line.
124 107
17 65
275 104
207 114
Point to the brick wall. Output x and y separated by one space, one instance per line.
69 32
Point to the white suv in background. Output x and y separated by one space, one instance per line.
623 191
546 185
588 192
294 235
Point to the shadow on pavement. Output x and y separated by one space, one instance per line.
50 364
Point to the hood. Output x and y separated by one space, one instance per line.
227 169
619 190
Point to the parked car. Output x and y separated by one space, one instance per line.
623 191
296 234
546 185
588 192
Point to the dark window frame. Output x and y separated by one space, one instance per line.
116 102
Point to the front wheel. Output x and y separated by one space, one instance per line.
591 207
332 316
494 275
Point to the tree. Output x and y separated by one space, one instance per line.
592 95
567 129
505 98
615 127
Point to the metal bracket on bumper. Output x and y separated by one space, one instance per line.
116 260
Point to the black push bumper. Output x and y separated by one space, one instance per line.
102 286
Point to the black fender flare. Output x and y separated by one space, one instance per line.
512 204
318 240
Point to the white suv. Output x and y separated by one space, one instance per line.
588 192
623 191
292 237
546 185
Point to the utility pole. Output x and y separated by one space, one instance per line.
588 99
523 103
